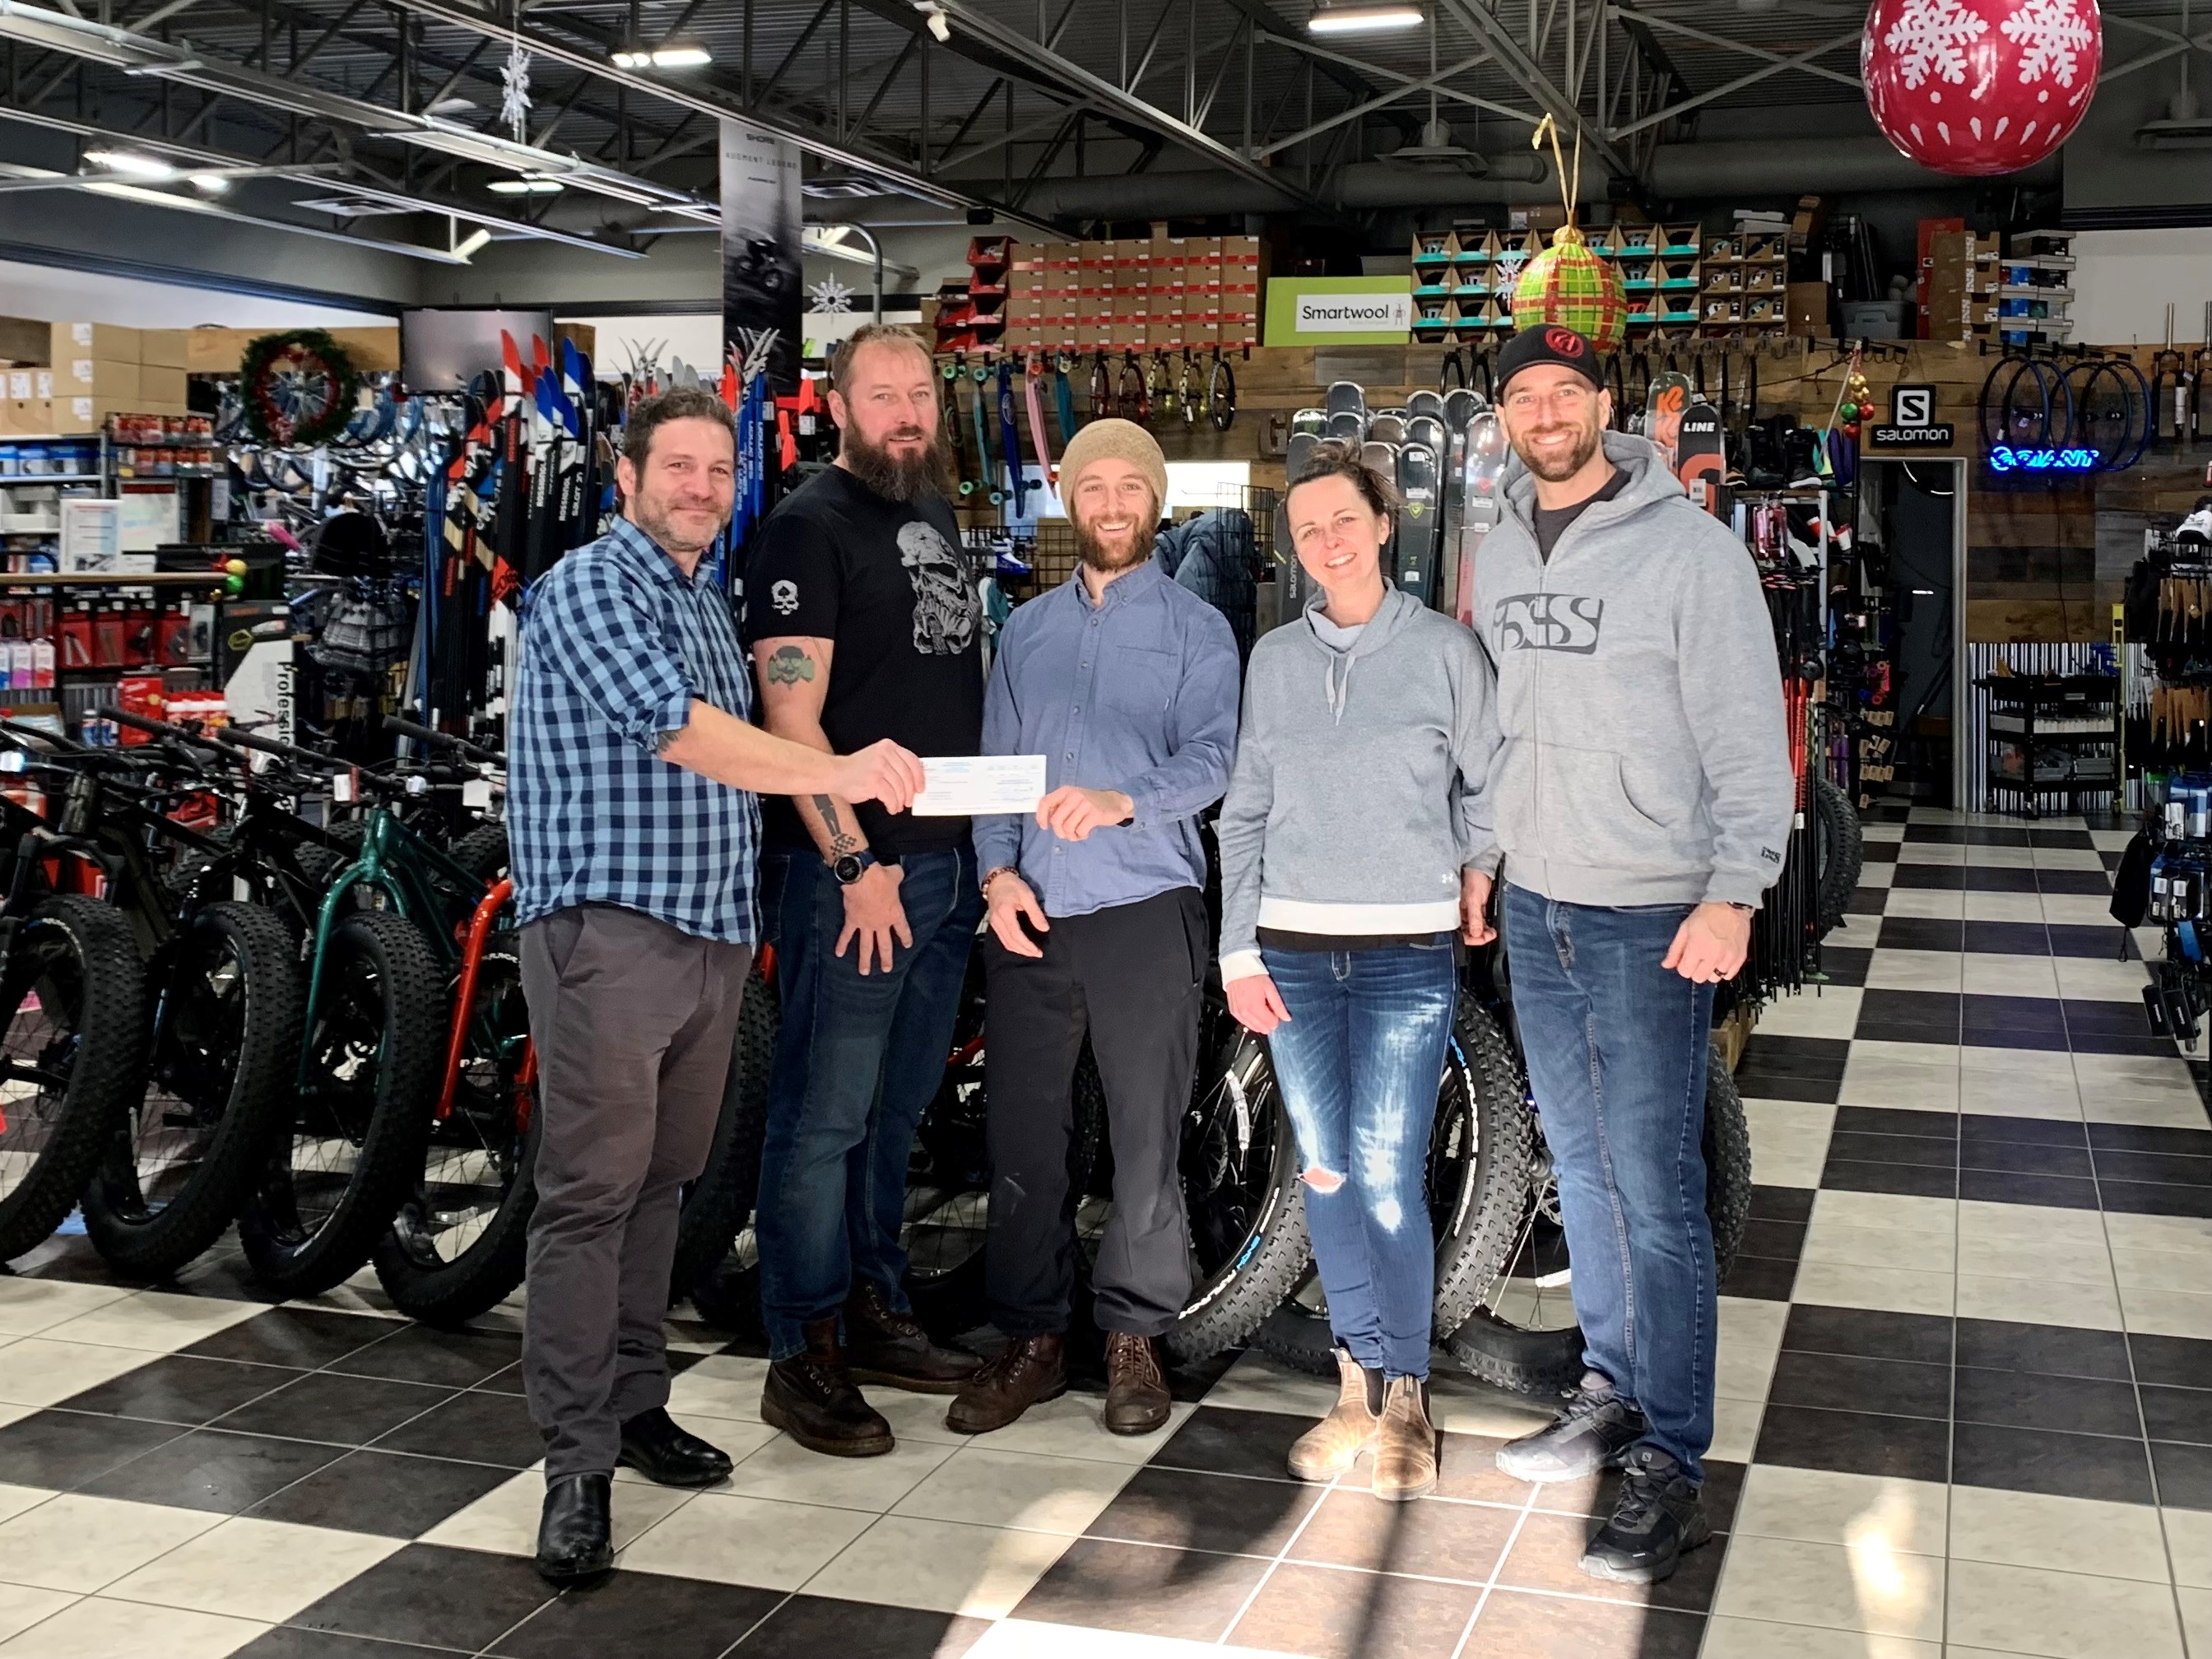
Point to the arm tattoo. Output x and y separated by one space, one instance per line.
789 665
840 843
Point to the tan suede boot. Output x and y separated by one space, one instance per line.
1406 1447
1333 1445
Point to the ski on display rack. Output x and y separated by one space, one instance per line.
1310 422
1700 461
1010 441
1387 426
1416 537
1662 412
1345 397
1297 586
1481 508
1347 426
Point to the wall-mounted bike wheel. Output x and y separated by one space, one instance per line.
2017 407
2108 417
1221 394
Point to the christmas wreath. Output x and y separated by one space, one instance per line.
298 387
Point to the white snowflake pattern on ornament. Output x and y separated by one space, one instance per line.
2053 34
1930 37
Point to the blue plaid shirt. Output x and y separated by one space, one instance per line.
616 642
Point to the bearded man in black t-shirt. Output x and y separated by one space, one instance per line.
864 618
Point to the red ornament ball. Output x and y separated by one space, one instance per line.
1977 87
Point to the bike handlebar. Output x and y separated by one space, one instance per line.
443 740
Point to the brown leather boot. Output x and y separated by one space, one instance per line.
883 1345
1332 1446
810 1397
1029 1371
1137 1398
1406 1448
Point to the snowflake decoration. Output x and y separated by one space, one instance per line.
1930 37
514 100
829 294
2054 33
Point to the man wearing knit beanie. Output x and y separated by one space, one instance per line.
1126 684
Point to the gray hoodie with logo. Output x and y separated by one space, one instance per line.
1357 796
1644 759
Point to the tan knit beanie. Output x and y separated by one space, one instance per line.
1120 440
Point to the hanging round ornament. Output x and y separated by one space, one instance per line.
297 387
1570 283
1980 87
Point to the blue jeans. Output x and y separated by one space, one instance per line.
1616 1047
857 1062
1358 1062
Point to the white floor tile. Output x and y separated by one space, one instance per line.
2140 1075
1030 1639
2111 840
2033 1062
156 1322
264 1570
1750 1338
2187 1235
2189 1542
1882 831
2095 1307
1890 969
1789 1140
1735 1429
2068 858
1994 976
2064 1534
1937 904
1932 852
1878 874
1876 1587
917 1417
2166 1313
2081 910
1756 1638
2006 907
132 1629
1862 1511
2093 980
1881 1080
1832 1012
2048 1094
1833 1243
39 1370
2159 1112
745 1540
786 1470
1924 1057
504 1520
1893 1212
2181 1271
1891 1290
1070 1427
724 1386
987 1487
78 1543
982 1572
2000 858
2066 1615
22 1607
1985 1223
30 1305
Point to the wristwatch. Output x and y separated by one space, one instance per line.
851 867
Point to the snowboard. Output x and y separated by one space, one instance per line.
1346 397
1662 413
1289 573
1314 422
1416 537
1425 402
1347 426
1700 460
1480 474
1461 406
1387 426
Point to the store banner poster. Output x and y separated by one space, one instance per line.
1340 310
761 229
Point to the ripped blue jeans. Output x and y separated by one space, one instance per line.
1358 1062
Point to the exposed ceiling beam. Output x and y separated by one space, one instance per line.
1517 63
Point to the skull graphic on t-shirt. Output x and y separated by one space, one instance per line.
945 606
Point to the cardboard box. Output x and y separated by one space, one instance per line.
96 377
25 342
27 417
165 348
74 415
160 389
105 341
1808 310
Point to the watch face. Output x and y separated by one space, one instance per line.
847 869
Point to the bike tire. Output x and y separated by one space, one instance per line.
380 981
483 852
235 1062
1474 1203
77 956
1221 395
1840 852
716 1264
1546 1362
422 1281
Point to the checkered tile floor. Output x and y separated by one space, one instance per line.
1963 1362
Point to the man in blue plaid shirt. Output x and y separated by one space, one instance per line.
634 827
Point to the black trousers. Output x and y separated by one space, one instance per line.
1132 977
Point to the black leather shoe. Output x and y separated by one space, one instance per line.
883 1345
575 1533
667 1455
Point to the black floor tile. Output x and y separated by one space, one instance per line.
2093 940
2025 1399
1783 1240
2185 1474
416 1354
1205 1512
2048 1350
2075 841
814 1628
1878 852
1333 1615
1937 878
330 1406
1434 1540
65 1450
2006 938
384 1493
425 1593
2049 1039
305 1338
1223 1440
2024 1157
476 1428
1913 1180
2085 1015
2059 1191
1843 1382
2106 1042
1147 1592
1781 1203
1961 834
1854 1443
2177 1413
1910 1008
1760 1278
2114 1164
2088 883
1977 1128
1867 900
2141 1138
2154 1197
2027 1013
1999 878
2180 1361
1796 1056
1870 1333
286 1642
209 1470
1940 1036
2046 1461
1896 1120
175 1389
1752 1084
1846 964
1931 1151
642 1613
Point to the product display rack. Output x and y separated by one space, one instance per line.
2052 735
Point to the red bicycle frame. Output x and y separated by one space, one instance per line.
480 925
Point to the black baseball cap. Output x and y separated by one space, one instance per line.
1549 342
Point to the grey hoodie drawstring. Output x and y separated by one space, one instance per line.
1337 687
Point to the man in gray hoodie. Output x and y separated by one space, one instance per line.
1644 798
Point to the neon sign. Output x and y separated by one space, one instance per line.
2005 459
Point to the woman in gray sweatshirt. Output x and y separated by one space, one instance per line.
1355 841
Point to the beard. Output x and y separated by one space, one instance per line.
656 517
1110 558
914 475
1556 470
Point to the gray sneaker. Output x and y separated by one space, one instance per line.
1657 1518
1594 1430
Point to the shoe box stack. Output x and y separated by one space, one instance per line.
1162 293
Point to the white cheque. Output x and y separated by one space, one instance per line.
963 786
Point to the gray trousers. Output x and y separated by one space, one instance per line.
633 1021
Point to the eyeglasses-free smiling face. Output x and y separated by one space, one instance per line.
1113 513
682 495
1338 535
1552 417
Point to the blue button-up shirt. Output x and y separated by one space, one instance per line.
617 643
1136 693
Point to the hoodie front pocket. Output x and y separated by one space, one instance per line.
1586 814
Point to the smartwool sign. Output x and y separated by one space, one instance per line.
1340 310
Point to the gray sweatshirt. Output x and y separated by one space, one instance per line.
1644 759
1357 798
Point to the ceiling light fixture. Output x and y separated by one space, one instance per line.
131 161
466 248
664 57
933 14
1363 20
209 183
525 186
